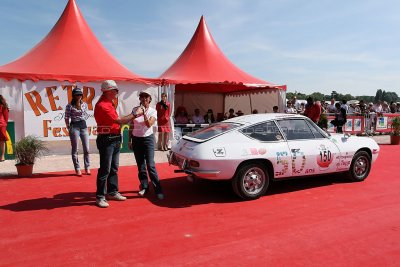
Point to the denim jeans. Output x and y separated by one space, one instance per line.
107 176
74 134
143 148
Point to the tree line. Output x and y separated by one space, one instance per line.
381 95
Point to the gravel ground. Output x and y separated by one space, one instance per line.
59 160
55 163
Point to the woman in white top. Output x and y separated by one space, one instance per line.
290 109
197 118
141 141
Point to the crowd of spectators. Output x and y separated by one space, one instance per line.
315 110
182 117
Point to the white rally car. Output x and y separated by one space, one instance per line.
254 149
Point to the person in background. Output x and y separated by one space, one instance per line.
163 120
393 108
361 108
385 107
290 109
4 111
301 109
320 105
108 143
344 105
239 113
352 108
181 116
255 111
141 141
294 102
275 109
197 118
209 117
378 108
75 120
331 107
312 110
370 123
230 114
340 118
325 106
323 120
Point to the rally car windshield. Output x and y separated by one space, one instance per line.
213 130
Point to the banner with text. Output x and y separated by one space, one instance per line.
45 102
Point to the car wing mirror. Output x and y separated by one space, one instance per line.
345 137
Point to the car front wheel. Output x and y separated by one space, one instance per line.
251 181
360 166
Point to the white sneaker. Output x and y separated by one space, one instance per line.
143 192
117 196
102 203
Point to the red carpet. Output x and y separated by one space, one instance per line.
51 220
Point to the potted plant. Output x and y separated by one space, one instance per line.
27 150
395 134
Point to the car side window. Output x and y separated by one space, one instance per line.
266 132
317 132
295 129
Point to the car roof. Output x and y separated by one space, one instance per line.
255 118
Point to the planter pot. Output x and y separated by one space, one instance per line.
24 170
394 139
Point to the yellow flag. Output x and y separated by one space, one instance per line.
9 145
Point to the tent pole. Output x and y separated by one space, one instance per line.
251 104
223 105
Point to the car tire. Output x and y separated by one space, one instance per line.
360 167
251 181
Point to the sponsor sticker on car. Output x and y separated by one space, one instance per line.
219 152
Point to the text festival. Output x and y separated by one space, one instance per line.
38 105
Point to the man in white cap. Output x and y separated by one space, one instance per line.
108 143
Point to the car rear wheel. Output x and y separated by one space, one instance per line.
360 166
251 181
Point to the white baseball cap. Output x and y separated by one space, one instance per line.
145 92
109 85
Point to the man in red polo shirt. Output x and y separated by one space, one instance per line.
108 143
313 110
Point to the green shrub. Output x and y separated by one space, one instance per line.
396 126
28 149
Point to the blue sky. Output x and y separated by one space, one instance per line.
349 46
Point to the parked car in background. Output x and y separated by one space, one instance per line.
254 149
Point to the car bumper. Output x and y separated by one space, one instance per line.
182 163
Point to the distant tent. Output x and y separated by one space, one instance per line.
39 84
70 52
205 78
